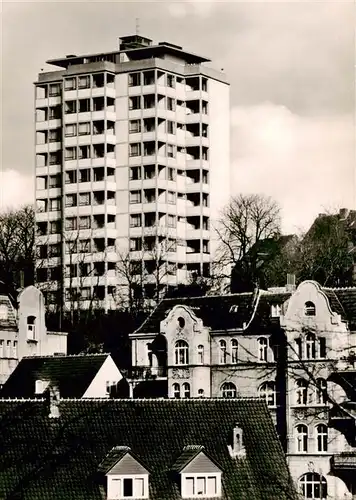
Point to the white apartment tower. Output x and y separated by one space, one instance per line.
132 165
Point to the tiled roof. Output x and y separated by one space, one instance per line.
58 459
114 456
189 452
10 322
347 298
219 312
72 375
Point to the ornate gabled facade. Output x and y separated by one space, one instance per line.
279 345
23 330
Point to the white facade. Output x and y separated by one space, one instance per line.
108 376
132 163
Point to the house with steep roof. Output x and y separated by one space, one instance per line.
278 345
141 449
23 330
74 376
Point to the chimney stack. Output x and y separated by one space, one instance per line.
54 397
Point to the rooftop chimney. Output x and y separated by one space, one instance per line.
290 286
54 398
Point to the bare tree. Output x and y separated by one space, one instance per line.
17 239
244 222
327 251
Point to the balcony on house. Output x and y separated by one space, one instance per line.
147 373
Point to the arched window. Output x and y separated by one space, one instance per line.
302 438
200 354
322 437
301 392
313 486
31 327
299 347
176 391
262 349
181 353
309 309
4 312
186 390
222 344
320 391
228 390
267 391
310 346
201 393
234 351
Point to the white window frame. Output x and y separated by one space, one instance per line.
262 349
268 392
302 438
228 390
317 483
117 491
194 477
222 352
181 353
234 351
321 432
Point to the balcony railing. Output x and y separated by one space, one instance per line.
146 372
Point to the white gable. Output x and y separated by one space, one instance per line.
108 372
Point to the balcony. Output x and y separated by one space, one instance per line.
344 461
146 373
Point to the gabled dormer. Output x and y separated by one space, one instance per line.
197 473
125 475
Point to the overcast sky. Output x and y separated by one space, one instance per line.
290 65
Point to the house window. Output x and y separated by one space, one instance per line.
134 126
14 349
135 102
171 220
262 349
70 154
301 392
309 309
228 390
84 128
234 351
70 107
310 346
1 348
135 244
171 174
320 391
200 486
302 438
186 390
84 222
135 220
54 90
322 437
200 393
8 349
4 312
135 196
171 127
135 149
200 354
31 327
276 310
70 84
84 82
71 200
134 79
171 197
171 153
84 198
71 224
176 391
223 354
267 391
313 486
54 204
181 353
171 81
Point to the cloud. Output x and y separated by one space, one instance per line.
305 163
16 189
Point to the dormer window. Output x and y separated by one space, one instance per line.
126 476
31 328
309 309
200 476
4 312
276 310
234 308
41 386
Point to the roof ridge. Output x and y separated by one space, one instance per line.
61 356
32 400
335 288
168 400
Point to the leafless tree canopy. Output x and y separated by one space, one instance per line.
245 221
17 238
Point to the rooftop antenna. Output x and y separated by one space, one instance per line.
137 25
